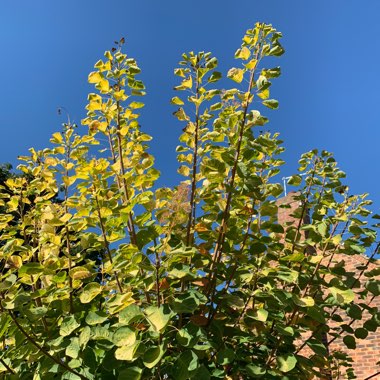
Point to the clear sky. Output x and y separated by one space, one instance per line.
328 93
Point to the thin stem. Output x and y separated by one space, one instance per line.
158 266
304 208
131 229
105 240
9 369
191 220
231 276
218 250
43 350
372 376
348 324
68 246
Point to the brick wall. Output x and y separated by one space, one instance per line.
367 352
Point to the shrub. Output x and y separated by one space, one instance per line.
118 279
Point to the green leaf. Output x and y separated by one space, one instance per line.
214 77
84 336
342 296
90 291
373 286
322 228
158 317
295 180
131 313
286 362
236 75
258 314
101 333
185 364
126 352
272 73
354 311
4 323
131 373
72 350
262 83
225 356
189 335
271 103
294 257
304 301
80 273
277 50
96 317
31 269
318 347
371 325
350 342
68 325
316 314
202 373
361 333
124 336
152 356
188 302
255 370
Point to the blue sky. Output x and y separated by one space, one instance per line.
328 93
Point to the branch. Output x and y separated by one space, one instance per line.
9 369
106 243
43 350
372 376
194 173
131 226
218 250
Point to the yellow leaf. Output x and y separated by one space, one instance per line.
263 94
15 261
105 211
176 100
102 126
188 83
251 64
119 95
236 75
68 181
260 156
127 113
184 170
108 55
243 53
106 66
124 130
94 106
56 240
200 227
247 39
57 138
94 98
94 77
79 273
65 218
126 352
336 239
104 85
